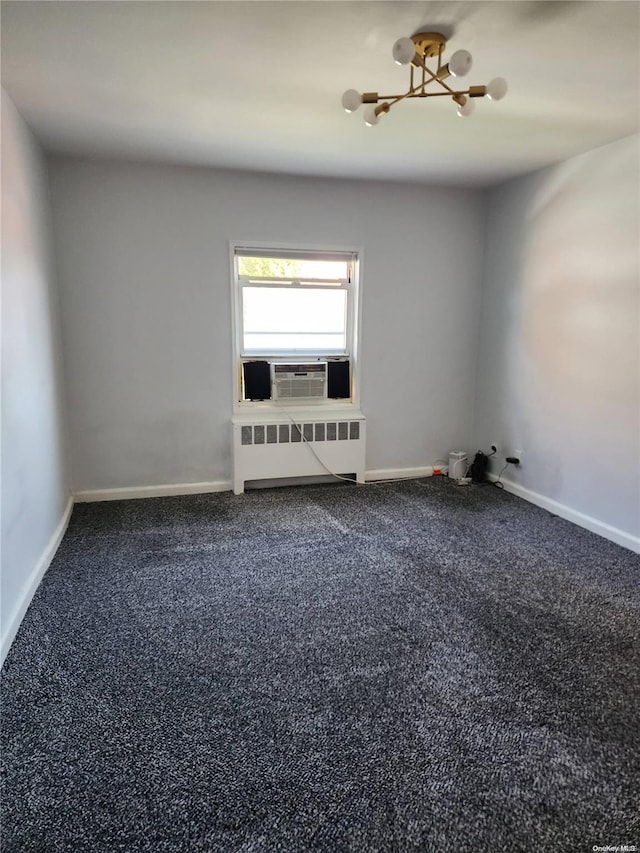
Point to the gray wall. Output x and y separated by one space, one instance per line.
559 358
143 264
35 489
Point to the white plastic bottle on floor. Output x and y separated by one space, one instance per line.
457 464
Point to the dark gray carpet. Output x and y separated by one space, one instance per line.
413 666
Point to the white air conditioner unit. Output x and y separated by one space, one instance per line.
301 381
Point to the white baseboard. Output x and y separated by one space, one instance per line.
9 634
163 491
171 489
620 537
399 473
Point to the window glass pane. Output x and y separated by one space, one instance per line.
281 318
291 268
267 342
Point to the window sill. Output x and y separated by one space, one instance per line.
284 412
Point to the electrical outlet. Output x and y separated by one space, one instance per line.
494 446
518 454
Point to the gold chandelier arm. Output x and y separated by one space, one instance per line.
394 99
450 94
416 93
433 76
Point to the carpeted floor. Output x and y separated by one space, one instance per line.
413 666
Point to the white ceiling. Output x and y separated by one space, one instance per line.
257 85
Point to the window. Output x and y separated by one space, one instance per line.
294 305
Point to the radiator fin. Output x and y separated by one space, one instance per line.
285 433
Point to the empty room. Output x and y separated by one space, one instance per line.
320 426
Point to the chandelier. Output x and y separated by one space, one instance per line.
415 51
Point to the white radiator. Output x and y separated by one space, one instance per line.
304 444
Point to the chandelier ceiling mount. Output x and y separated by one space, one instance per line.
429 44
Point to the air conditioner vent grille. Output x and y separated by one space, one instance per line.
299 381
289 389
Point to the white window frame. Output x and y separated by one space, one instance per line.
354 311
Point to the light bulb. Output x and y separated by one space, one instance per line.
351 100
497 89
370 117
465 109
460 63
403 51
